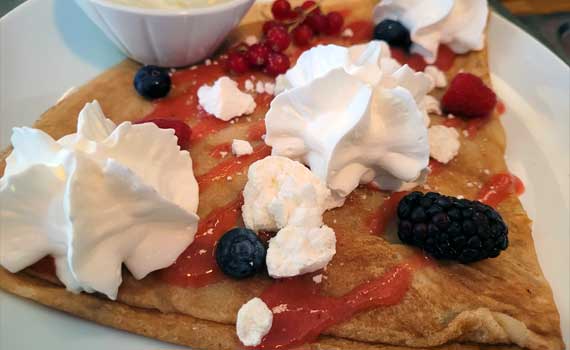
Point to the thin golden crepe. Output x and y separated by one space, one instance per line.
478 306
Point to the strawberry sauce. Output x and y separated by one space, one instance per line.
301 314
444 61
231 166
499 187
472 126
386 212
196 266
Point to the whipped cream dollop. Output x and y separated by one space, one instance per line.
460 24
353 116
281 192
96 199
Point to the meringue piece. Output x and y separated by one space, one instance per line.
444 143
281 192
459 24
431 105
254 321
225 100
297 250
94 201
241 148
349 131
438 77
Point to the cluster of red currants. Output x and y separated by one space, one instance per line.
299 24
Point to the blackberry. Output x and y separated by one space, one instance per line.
451 228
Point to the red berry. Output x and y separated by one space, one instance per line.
181 130
277 63
271 24
278 39
302 35
334 23
237 62
317 21
307 5
468 96
281 9
257 55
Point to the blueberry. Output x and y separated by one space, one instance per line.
394 33
152 82
240 253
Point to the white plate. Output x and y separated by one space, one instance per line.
47 46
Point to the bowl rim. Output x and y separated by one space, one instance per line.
225 6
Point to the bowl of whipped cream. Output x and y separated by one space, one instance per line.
167 33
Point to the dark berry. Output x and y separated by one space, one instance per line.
281 9
317 21
278 39
237 62
394 33
257 55
240 253
181 130
302 35
152 82
335 21
277 63
451 228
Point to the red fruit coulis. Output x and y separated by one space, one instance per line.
196 266
301 313
444 61
499 187
387 211
472 126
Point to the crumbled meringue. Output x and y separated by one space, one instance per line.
94 201
224 100
460 24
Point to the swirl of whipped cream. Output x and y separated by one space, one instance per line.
96 199
353 120
460 24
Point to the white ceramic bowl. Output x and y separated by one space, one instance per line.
167 38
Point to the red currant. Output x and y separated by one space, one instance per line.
334 23
257 55
278 39
307 5
277 63
281 9
237 62
271 24
302 35
317 21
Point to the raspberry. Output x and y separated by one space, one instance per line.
468 96
277 63
257 55
281 9
451 228
278 39
237 62
335 22
302 35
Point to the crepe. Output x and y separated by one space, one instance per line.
503 301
